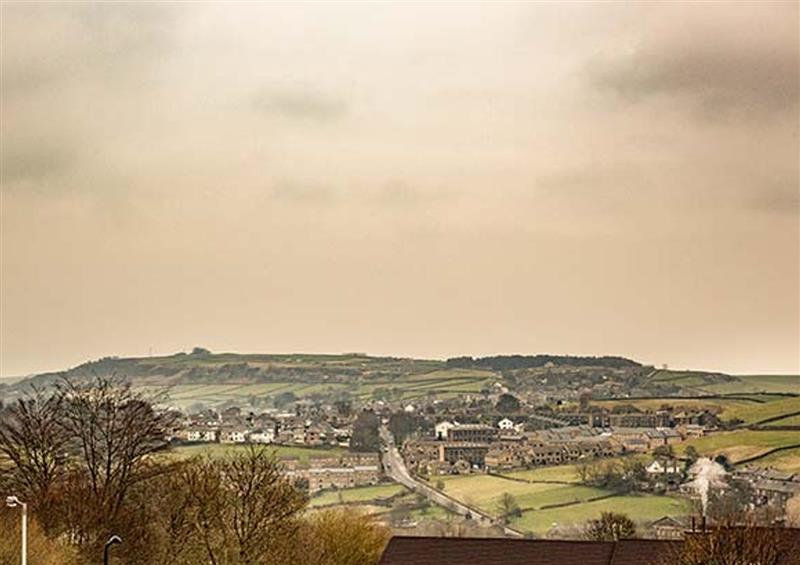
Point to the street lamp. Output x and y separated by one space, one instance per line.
113 540
13 502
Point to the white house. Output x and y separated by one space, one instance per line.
234 436
442 429
505 424
200 434
263 436
665 468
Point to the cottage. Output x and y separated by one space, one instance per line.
505 424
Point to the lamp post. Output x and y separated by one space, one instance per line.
113 540
13 502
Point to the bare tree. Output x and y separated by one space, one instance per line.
739 540
33 442
112 430
242 506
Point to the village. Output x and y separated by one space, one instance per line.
490 433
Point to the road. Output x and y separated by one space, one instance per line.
397 470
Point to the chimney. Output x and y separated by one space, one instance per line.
703 524
694 523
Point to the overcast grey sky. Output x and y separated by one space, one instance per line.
409 179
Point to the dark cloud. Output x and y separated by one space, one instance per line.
93 42
786 201
719 70
33 162
301 103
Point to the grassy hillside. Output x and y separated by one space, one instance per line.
742 444
548 503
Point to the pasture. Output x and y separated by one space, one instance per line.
640 508
741 444
280 451
357 494
442 383
757 383
556 499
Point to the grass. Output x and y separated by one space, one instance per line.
564 473
758 383
444 383
280 451
788 461
788 421
714 404
752 413
484 492
640 508
357 494
741 444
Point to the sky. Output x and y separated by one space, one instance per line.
413 179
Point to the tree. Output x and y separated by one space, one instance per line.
664 451
507 404
41 549
737 540
508 506
343 537
240 506
114 430
284 399
611 526
33 440
365 435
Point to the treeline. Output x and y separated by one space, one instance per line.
510 362
92 461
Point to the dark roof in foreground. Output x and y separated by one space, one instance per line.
479 551
503 551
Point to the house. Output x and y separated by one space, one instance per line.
659 468
206 435
442 429
503 551
262 436
505 424
233 435
668 527
472 433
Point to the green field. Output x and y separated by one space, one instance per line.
561 473
788 461
758 383
444 383
741 444
280 451
535 498
753 413
787 421
714 404
358 494
641 509
484 492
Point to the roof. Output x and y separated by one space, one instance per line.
478 551
642 551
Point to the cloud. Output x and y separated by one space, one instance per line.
718 68
47 44
301 191
22 162
300 103
786 201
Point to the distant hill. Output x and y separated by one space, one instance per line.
315 372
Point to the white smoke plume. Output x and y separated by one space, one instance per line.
707 474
